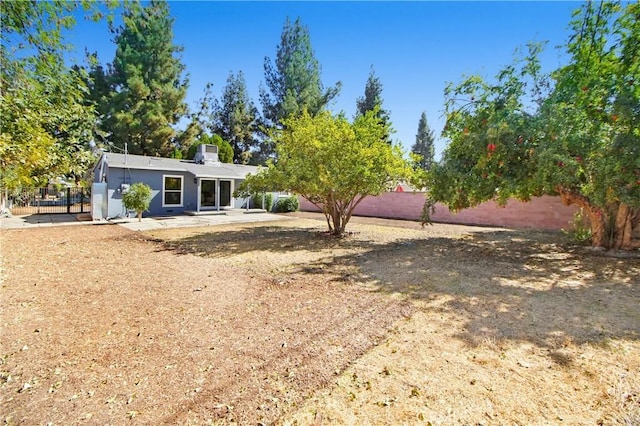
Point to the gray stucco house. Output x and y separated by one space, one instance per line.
179 186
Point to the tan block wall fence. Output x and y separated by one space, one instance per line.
540 213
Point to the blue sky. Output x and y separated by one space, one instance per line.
415 48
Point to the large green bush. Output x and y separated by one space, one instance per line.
288 204
137 198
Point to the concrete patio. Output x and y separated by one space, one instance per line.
147 223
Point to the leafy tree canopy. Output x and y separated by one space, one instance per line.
45 126
574 133
332 163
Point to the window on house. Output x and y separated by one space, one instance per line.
172 191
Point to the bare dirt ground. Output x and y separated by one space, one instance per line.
278 323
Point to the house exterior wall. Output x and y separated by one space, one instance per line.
116 177
541 213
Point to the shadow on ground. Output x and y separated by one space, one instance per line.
511 287
518 285
56 218
267 238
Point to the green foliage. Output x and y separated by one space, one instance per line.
262 200
144 95
574 133
287 204
176 153
45 126
293 83
25 145
332 163
225 152
236 118
372 99
424 146
32 32
579 231
137 198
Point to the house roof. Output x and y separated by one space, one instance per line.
141 162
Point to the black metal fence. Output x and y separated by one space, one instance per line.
50 201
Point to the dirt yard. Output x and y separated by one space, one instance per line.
276 323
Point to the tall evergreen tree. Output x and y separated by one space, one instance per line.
235 118
148 89
293 82
373 98
424 143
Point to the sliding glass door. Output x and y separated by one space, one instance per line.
209 188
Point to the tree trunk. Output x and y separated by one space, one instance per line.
337 222
624 227
599 234
334 217
139 216
338 226
338 213
612 227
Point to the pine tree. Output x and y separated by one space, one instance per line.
293 82
373 98
148 90
235 118
424 143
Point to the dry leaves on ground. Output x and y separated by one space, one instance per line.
276 322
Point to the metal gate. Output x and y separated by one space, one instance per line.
50 201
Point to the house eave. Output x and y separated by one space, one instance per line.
199 171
